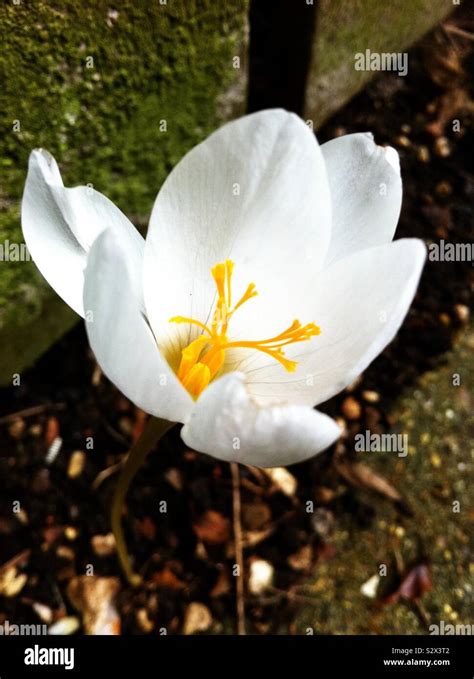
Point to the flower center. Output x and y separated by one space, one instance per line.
202 359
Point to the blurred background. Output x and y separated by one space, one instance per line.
349 542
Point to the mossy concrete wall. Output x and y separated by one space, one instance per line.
345 28
117 92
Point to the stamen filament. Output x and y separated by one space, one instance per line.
248 294
185 319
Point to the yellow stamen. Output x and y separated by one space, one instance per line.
229 272
185 319
190 356
248 294
214 359
204 357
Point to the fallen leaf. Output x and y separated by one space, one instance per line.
416 582
362 476
212 528
282 479
147 528
51 431
167 579
222 584
302 559
12 582
93 596
256 515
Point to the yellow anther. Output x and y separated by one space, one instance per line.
190 356
197 379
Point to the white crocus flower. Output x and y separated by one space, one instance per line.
176 322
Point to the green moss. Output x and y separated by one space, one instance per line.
91 82
438 419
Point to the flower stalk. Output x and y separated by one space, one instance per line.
154 430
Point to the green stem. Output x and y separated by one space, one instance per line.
154 430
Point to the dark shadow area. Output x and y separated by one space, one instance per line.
281 33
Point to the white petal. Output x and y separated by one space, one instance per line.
226 423
359 303
120 335
366 193
60 225
255 192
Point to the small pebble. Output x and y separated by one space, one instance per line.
174 478
65 552
369 588
16 428
103 545
402 140
65 626
442 147
423 154
322 522
351 408
371 396
260 576
44 613
144 621
76 464
35 430
443 189
197 618
70 532
462 312
22 517
339 131
324 495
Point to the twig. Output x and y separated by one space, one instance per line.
449 28
291 595
115 434
238 547
29 412
14 561
108 471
